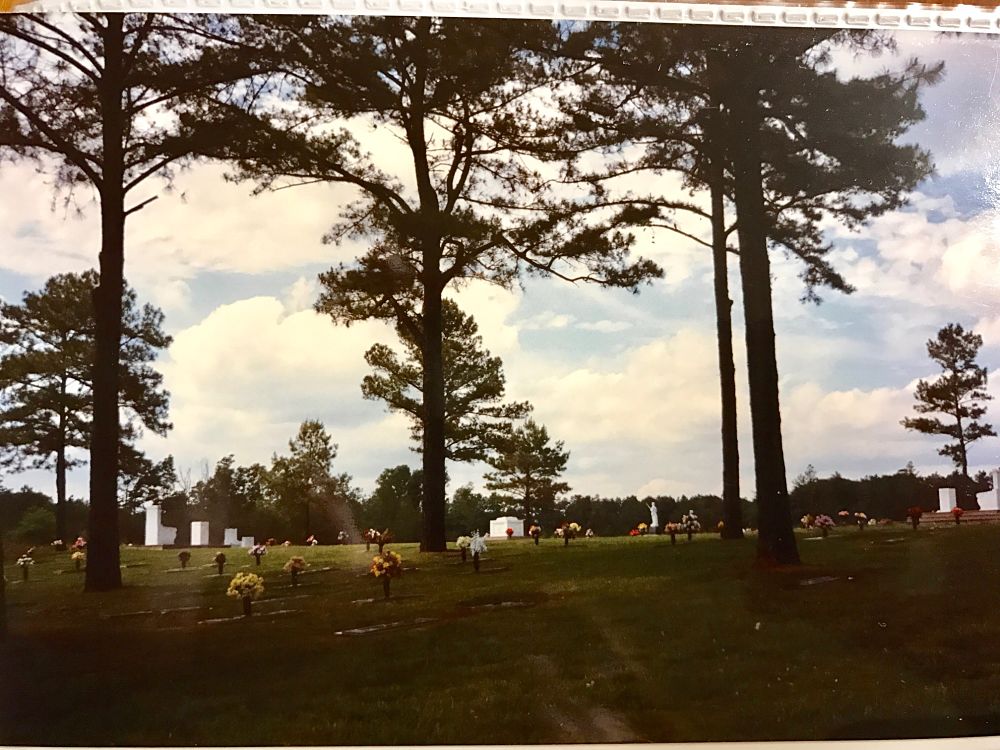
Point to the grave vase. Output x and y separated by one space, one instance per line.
475 561
463 554
247 606
385 586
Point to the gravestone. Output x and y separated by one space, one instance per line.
990 500
499 526
199 533
156 533
247 542
231 538
947 499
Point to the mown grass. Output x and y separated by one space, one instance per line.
625 639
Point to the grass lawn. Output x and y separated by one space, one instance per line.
606 640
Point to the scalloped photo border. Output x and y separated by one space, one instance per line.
960 18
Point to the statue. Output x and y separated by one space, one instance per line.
654 524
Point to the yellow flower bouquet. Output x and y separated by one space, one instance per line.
386 566
246 586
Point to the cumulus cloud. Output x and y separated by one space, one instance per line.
243 379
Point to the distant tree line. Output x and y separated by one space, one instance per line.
241 497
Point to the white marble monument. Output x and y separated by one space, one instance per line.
199 533
156 533
499 526
990 500
654 519
231 538
947 499
247 542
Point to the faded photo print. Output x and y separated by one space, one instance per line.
388 380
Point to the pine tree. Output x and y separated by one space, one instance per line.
476 419
527 469
100 101
958 394
471 199
787 144
47 350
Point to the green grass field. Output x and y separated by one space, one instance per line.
882 633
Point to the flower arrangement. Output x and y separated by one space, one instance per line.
721 527
642 528
807 521
914 513
271 541
257 552
861 519
370 537
247 587
672 529
558 533
824 523
387 565
957 514
569 530
690 524
478 547
184 557
509 533
463 543
220 561
24 562
535 532
634 532
590 534
844 515
287 543
294 566
342 537
58 545
78 558
311 540
80 544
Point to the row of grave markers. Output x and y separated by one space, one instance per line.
989 500
158 535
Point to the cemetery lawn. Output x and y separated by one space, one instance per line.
888 632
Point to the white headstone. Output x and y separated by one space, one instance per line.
947 499
990 500
499 526
156 533
231 538
199 533
247 542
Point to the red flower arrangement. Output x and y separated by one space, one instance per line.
914 513
957 513
634 532
510 533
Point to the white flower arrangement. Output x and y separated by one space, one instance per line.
463 542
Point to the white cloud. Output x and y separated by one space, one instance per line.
243 378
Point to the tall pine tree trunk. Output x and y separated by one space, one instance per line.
433 445
103 561
61 468
732 511
776 540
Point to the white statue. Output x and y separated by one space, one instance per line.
654 518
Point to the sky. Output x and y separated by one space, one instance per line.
628 382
